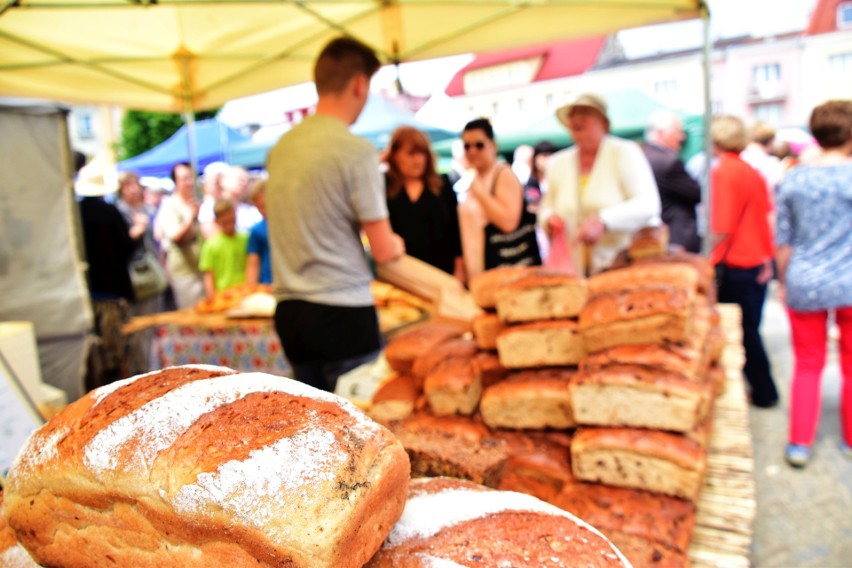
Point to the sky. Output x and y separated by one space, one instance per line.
728 18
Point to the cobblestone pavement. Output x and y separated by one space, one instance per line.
804 517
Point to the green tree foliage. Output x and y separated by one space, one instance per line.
143 130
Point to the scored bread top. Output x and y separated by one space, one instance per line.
637 303
448 520
210 447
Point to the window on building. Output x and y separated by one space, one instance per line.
665 87
769 112
85 130
840 63
844 16
766 73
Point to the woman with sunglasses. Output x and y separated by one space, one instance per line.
496 229
421 203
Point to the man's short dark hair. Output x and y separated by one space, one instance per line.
340 61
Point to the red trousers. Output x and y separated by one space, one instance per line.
809 332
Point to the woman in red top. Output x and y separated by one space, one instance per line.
743 246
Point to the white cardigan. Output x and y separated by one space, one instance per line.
620 189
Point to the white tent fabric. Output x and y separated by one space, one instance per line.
181 55
41 276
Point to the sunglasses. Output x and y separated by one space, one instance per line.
477 145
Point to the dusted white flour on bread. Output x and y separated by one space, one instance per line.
249 488
161 421
427 514
16 557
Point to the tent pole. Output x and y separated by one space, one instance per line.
708 143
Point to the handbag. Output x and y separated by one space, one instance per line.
516 248
147 276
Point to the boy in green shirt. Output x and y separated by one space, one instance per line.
223 256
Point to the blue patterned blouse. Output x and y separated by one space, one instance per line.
815 219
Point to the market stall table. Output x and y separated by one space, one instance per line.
186 337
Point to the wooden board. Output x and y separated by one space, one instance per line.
726 510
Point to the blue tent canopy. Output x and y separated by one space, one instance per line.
213 143
377 122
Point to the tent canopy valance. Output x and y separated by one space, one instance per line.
182 55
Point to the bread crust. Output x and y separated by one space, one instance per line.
405 348
675 274
540 344
484 286
194 466
452 521
541 296
641 459
529 400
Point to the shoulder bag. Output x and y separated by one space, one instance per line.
516 248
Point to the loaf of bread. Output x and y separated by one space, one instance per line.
453 387
395 399
538 464
534 399
665 357
649 242
540 344
649 516
450 349
641 315
203 466
640 398
484 286
450 522
675 275
12 554
541 296
644 553
706 272
404 348
640 459
454 446
486 327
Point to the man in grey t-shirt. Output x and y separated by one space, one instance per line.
324 189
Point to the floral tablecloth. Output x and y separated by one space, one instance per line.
241 346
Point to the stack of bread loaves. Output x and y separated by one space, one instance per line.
203 466
593 394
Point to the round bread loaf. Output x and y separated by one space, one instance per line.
202 466
451 522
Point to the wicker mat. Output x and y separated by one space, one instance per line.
723 528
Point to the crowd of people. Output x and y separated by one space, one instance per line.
331 208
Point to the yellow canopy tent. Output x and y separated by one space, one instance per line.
183 55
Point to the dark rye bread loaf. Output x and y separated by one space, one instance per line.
203 466
451 522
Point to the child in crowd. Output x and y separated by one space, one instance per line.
259 269
223 256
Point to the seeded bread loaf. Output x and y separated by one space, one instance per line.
541 296
539 463
639 398
665 357
676 275
640 315
200 467
640 459
650 516
540 344
450 522
534 400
